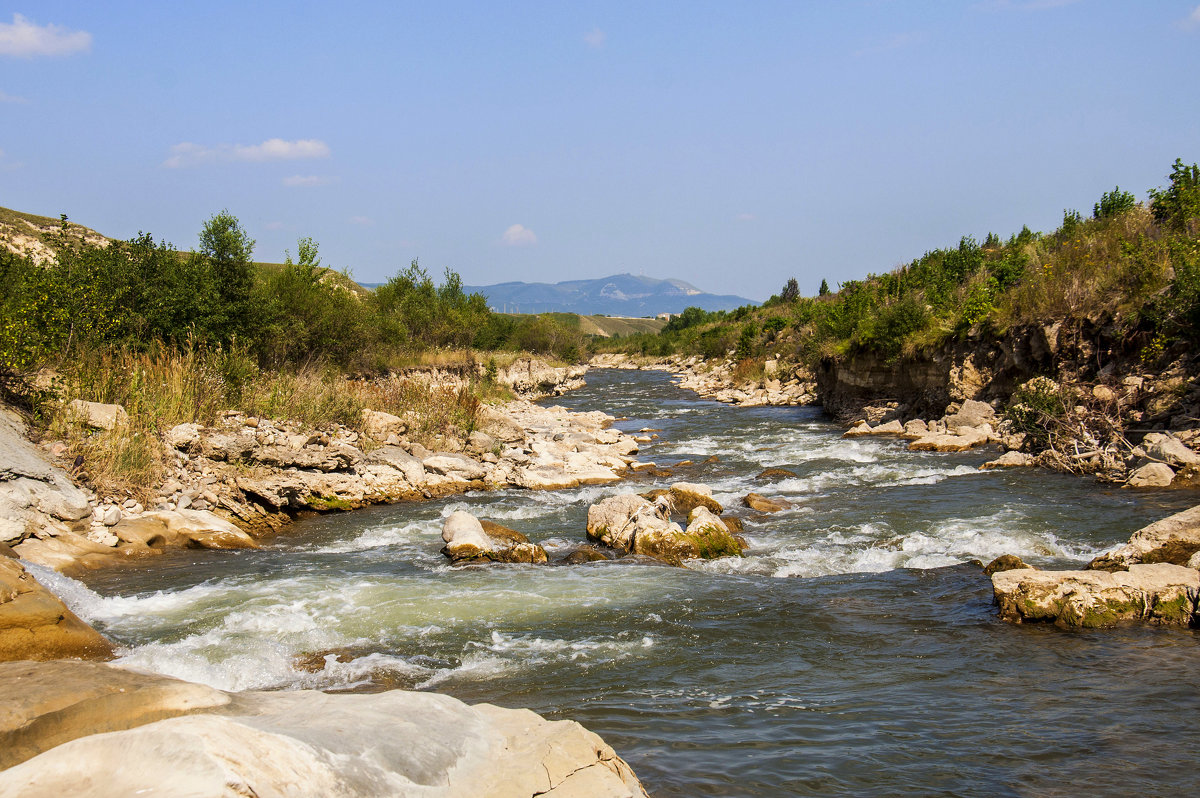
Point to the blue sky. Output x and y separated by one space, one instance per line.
733 145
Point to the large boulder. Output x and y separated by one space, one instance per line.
1165 447
630 523
1151 475
90 729
687 496
971 414
470 539
36 625
1158 594
1174 539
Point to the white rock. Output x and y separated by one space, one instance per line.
463 529
98 415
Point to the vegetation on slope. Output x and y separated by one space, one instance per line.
1133 265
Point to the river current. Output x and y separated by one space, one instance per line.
853 651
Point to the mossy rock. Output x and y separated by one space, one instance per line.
1005 562
326 504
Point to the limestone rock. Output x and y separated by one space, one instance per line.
1151 475
1174 539
36 625
965 438
917 428
774 474
1009 460
464 536
379 426
467 538
762 504
98 415
1158 594
971 414
36 497
454 466
184 437
500 425
1169 449
858 430
88 729
893 427
396 458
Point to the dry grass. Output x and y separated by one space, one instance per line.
161 389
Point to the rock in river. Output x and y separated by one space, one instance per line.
469 539
1158 594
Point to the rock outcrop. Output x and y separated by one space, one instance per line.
1158 594
72 728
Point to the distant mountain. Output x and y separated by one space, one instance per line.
618 295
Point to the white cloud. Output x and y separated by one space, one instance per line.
276 226
1192 20
595 38
190 154
518 235
745 217
364 221
5 97
307 181
24 39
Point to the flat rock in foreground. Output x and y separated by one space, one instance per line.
1161 593
74 728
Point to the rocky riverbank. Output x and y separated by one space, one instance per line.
1068 398
246 476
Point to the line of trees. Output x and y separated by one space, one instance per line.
144 293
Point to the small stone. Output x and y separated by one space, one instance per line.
111 516
1005 562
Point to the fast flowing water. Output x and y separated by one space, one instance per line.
853 651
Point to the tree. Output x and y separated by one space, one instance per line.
791 291
824 289
1113 203
1180 202
228 249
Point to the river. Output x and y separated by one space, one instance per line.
853 651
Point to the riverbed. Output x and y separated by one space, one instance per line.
854 650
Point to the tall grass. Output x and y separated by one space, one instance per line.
165 387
